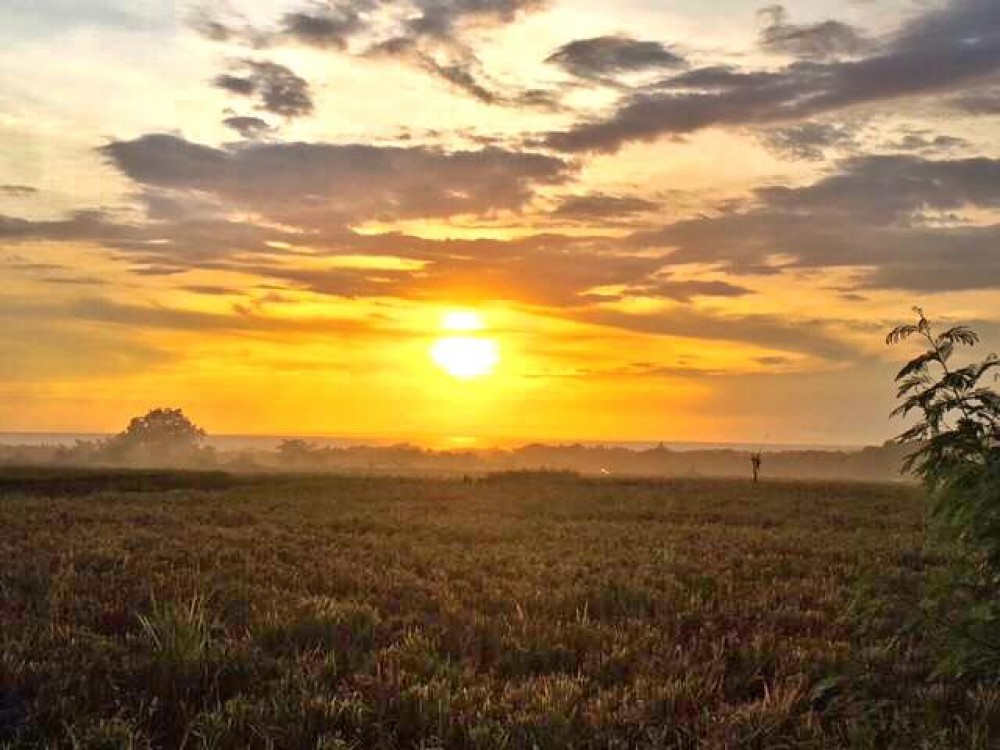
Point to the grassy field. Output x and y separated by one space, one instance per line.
512 612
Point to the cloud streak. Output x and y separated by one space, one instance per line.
820 41
608 56
274 87
319 185
956 46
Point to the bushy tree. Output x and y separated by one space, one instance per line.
296 452
958 433
956 451
960 425
159 435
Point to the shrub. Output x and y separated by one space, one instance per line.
957 455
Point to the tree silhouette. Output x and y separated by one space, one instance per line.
961 416
160 434
296 452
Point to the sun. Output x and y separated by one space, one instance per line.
465 356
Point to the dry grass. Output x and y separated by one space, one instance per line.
524 611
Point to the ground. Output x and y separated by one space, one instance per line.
516 611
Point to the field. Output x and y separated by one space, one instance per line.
515 611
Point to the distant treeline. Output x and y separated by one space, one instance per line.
873 463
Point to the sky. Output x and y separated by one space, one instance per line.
661 219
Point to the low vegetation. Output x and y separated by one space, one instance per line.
517 611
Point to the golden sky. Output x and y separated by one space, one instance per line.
651 219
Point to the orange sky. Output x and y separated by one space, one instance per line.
677 221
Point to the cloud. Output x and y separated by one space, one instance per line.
211 290
927 143
895 218
878 213
983 103
428 34
554 273
766 331
325 25
598 206
604 56
547 270
276 88
809 141
49 273
454 63
820 41
683 290
439 18
17 191
880 190
250 128
944 50
317 184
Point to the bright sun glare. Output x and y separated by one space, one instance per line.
466 356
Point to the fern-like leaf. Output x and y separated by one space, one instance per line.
959 335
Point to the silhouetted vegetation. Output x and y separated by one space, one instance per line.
162 436
876 463
34 480
958 458
756 459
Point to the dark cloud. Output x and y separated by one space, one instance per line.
429 37
211 290
548 270
955 46
456 65
334 23
250 128
159 247
276 88
980 103
597 206
819 41
325 25
236 84
878 214
439 18
315 184
464 75
87 226
432 41
542 270
883 190
49 273
604 56
809 141
17 191
683 290
552 272
927 143
210 27
767 331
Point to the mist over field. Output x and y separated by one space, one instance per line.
882 463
